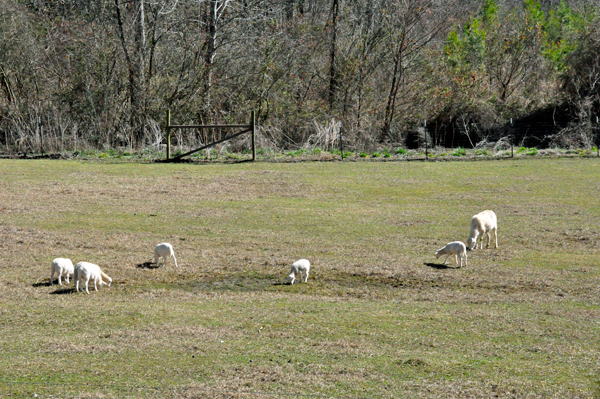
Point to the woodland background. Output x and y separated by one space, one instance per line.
102 73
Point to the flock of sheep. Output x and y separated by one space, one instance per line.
83 272
484 223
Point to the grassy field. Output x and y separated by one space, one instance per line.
380 317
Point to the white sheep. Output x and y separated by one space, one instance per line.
85 271
63 267
299 268
165 251
483 223
456 248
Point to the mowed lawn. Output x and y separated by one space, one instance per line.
380 316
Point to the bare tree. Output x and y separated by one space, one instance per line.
411 26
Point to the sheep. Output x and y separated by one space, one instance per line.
483 223
85 271
63 267
299 267
165 251
456 248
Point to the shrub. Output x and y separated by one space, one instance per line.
526 151
459 152
400 151
363 155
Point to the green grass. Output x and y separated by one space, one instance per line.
379 317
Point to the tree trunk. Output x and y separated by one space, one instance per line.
394 86
332 54
138 100
210 54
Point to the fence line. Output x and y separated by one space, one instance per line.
248 128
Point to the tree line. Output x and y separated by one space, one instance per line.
78 74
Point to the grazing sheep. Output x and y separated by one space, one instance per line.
165 251
299 268
482 223
63 267
85 271
456 248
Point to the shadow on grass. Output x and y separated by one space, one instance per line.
63 291
147 265
439 266
42 284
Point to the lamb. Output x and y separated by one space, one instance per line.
482 223
85 271
456 248
63 267
165 251
299 267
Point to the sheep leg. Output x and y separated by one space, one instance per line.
489 237
175 260
86 286
446 259
496 236
306 276
59 278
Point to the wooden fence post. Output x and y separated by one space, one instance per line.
511 138
426 141
40 128
341 141
168 134
253 127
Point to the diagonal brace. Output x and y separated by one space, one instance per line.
209 145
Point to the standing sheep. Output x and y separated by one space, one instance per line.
63 267
483 223
299 268
85 271
456 248
165 251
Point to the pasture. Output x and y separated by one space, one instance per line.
380 316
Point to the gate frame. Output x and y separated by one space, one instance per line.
247 128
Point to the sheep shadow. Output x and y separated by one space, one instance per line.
42 284
439 266
63 291
147 265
